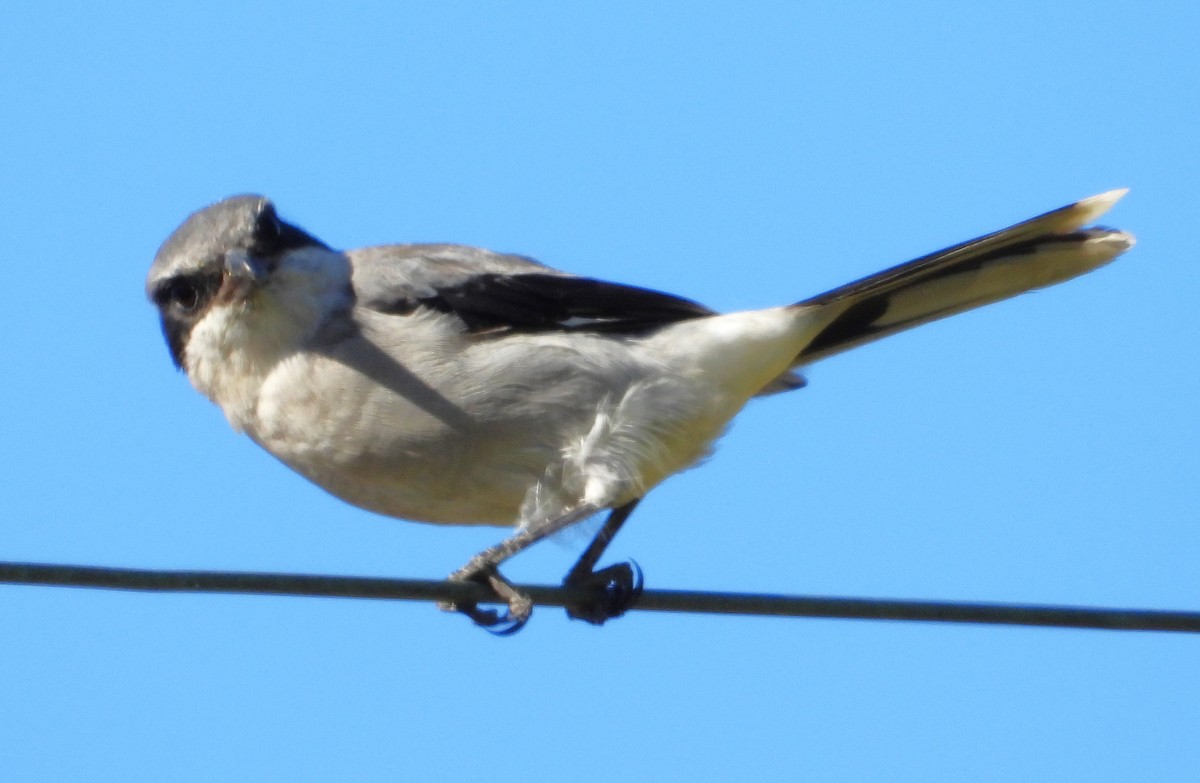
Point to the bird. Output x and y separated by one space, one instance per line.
453 385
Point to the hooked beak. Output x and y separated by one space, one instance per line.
243 274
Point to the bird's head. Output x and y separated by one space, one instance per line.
232 260
238 290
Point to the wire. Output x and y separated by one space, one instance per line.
650 600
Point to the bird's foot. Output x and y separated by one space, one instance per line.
500 623
613 591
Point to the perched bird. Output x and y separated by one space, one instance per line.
455 385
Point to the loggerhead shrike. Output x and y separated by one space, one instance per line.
455 385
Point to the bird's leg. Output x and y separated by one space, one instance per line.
615 587
484 569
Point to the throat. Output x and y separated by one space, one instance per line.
231 352
236 346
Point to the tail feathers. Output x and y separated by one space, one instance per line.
1039 252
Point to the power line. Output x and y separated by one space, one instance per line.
754 604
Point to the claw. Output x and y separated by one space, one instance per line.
505 623
615 589
495 622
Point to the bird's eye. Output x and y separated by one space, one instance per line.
182 294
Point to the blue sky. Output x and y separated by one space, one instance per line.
742 154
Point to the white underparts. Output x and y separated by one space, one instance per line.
236 345
607 465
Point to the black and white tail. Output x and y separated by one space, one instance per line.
1039 252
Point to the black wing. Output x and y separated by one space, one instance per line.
537 302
